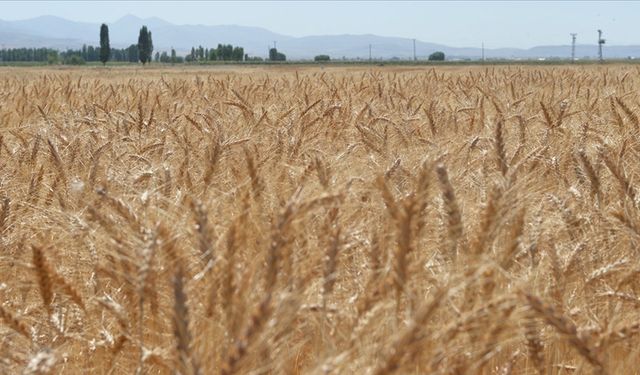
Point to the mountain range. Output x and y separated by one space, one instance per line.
56 32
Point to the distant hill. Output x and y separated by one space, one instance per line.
56 32
12 39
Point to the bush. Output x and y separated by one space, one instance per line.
436 56
322 58
74 60
52 58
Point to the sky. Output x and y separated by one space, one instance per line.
521 24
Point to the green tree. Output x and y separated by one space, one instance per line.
273 54
150 45
93 53
322 58
212 54
238 53
220 52
74 60
52 57
228 52
173 56
145 45
132 53
105 49
224 52
436 56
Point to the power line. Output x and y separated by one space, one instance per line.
600 43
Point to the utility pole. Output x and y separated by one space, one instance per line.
369 53
600 43
414 50
573 47
482 51
274 45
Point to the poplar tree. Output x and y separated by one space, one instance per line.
145 45
105 48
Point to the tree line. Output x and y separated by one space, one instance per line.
86 54
136 52
53 56
224 52
27 54
143 52
140 52
73 56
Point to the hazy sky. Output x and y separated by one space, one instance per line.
457 23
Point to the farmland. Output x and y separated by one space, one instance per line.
298 220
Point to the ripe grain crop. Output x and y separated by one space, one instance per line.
472 220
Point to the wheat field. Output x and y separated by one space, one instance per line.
471 220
